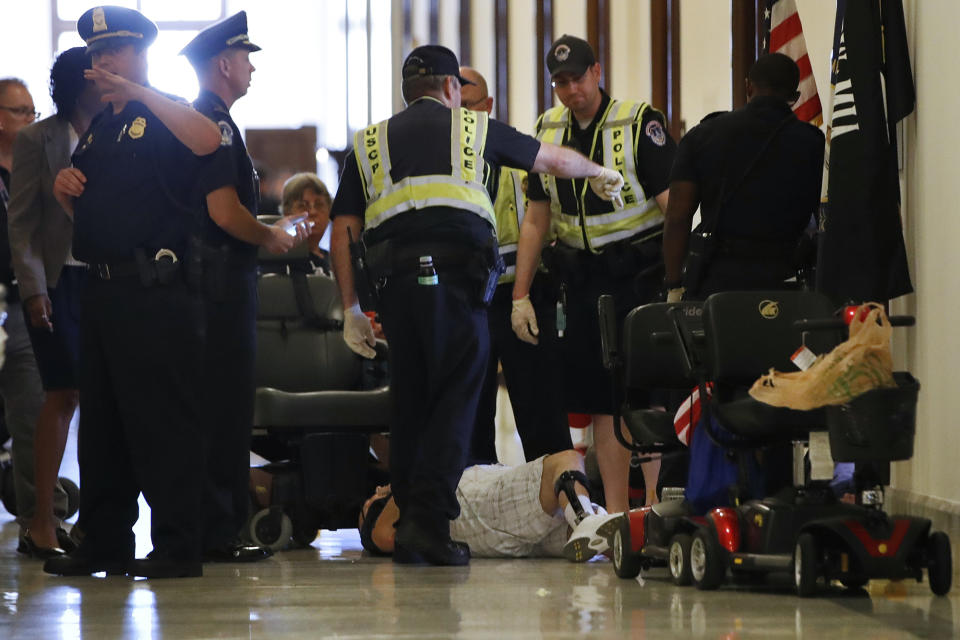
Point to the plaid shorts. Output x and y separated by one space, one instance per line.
501 515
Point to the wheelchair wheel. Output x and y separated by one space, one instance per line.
680 559
270 528
73 497
706 561
939 563
806 565
626 563
8 494
303 534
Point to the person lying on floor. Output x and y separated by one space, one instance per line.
511 512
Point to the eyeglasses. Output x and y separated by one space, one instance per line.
316 205
23 112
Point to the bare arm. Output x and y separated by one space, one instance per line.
340 256
683 202
533 231
229 214
564 162
197 132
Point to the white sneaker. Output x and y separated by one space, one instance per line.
591 536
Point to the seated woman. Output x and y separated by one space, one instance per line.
512 512
305 194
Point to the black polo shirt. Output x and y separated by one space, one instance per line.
418 140
653 158
781 191
139 191
228 166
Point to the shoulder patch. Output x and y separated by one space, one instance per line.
654 131
226 133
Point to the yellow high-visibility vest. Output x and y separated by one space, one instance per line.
462 188
576 227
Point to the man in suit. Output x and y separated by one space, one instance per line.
50 282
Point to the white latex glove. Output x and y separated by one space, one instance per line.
607 185
358 332
523 319
675 295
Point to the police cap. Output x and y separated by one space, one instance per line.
231 32
570 54
108 26
432 60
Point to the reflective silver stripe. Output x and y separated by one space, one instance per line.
518 197
398 198
510 271
507 248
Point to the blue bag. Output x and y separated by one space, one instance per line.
714 475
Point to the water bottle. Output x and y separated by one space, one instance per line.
427 275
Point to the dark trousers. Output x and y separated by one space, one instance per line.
438 353
534 382
140 360
227 411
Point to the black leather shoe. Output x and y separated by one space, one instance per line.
161 565
28 547
80 565
236 552
414 545
66 541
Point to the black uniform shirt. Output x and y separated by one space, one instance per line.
418 139
781 191
139 191
228 166
653 159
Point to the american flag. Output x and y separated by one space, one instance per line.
783 33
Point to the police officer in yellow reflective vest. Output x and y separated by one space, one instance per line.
419 190
600 249
532 373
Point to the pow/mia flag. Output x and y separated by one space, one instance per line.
861 253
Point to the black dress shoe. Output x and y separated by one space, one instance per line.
78 564
66 541
27 546
236 552
415 545
162 565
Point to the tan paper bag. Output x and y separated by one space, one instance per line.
859 364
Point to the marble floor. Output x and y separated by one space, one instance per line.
332 590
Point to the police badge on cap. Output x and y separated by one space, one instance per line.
107 26
570 54
231 32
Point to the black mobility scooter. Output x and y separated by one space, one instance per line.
804 529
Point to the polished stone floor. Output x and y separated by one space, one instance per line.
332 590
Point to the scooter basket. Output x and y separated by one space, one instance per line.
876 426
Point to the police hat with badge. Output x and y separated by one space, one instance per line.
570 54
109 26
432 60
231 32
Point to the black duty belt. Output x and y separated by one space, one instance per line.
114 270
756 248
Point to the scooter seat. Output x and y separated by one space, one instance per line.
365 411
752 419
649 426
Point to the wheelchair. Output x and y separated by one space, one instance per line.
803 530
316 406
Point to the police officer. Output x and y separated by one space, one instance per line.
130 190
420 184
220 54
600 249
755 173
532 373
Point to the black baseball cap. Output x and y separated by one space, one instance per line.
432 60
570 54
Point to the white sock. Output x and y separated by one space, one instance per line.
571 516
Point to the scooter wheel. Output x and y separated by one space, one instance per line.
626 563
73 497
679 559
303 534
270 528
806 565
707 568
939 563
